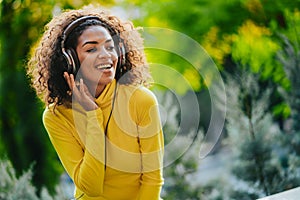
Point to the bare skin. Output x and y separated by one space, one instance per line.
81 93
98 58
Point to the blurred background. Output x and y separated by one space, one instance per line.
253 43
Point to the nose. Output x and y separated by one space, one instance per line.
103 53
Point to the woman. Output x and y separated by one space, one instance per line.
90 70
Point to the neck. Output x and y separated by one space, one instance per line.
95 89
99 90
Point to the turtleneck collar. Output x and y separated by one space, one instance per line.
106 97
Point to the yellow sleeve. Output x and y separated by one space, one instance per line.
84 167
151 144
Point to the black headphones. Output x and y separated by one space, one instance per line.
71 56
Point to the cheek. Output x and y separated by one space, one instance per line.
87 59
114 57
81 57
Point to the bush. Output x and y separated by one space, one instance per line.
16 188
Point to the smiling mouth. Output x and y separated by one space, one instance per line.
104 66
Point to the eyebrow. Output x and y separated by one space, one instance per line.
95 42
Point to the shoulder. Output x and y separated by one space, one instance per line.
141 95
49 113
145 94
56 114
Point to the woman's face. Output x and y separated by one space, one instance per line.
97 56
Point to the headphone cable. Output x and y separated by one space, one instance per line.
106 127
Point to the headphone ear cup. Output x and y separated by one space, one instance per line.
73 61
121 61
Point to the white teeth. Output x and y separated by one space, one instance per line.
104 66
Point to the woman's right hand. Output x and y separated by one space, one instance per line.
81 92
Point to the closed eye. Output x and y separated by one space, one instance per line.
110 48
91 50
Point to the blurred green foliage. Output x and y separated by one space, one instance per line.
22 135
243 31
261 160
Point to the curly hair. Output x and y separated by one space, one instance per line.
47 64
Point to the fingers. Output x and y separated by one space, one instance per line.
68 79
81 86
84 97
71 83
80 92
84 89
79 89
74 87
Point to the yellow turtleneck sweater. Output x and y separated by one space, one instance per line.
125 165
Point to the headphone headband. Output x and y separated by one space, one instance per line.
73 25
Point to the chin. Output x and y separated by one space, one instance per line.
106 81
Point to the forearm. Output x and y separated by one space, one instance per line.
89 176
149 192
152 165
82 154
